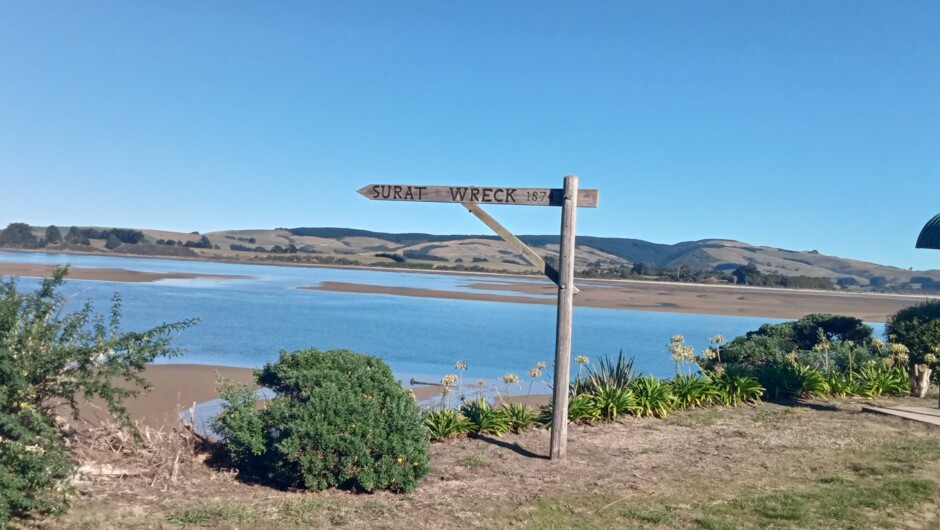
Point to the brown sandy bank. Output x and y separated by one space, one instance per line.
177 386
36 270
668 297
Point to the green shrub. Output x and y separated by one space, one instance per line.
445 424
694 391
874 381
918 328
612 401
735 387
339 419
519 416
484 419
653 397
789 380
582 408
840 384
821 340
50 357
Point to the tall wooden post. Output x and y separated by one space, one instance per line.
559 443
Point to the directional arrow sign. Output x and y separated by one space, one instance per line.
474 194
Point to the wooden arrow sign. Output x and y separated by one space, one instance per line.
474 194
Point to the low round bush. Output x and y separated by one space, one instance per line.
339 419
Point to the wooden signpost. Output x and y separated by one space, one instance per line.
569 198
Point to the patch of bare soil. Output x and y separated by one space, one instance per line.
677 472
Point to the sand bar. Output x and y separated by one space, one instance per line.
36 270
667 297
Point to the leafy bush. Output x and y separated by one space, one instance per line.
519 416
873 381
736 387
582 408
918 328
445 424
339 419
612 401
793 380
653 397
694 391
484 419
841 384
50 357
821 340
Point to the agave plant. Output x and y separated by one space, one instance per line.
519 416
653 397
736 387
445 424
694 391
482 418
609 373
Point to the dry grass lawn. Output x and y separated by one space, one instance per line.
768 466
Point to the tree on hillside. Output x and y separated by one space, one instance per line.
113 242
18 235
53 235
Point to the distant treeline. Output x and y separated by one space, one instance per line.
744 275
21 235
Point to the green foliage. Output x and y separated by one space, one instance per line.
918 328
484 419
608 374
819 339
654 397
810 382
793 380
840 384
613 401
874 381
18 235
582 408
339 419
445 424
112 242
520 417
735 387
53 235
694 390
50 357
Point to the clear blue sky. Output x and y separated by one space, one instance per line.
801 125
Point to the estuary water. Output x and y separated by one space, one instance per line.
246 322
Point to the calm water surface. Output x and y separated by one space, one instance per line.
246 322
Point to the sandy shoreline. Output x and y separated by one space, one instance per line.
36 270
666 297
176 387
